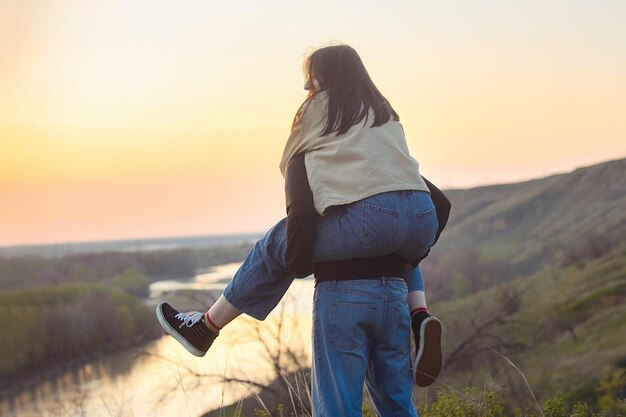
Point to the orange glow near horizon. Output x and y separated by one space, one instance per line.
125 120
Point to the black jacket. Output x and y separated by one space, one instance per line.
301 219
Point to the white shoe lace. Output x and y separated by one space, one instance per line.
189 319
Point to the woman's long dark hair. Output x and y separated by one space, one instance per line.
351 92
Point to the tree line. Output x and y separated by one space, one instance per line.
29 271
53 311
54 324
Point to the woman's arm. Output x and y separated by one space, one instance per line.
300 218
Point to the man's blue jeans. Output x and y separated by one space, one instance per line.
403 222
361 334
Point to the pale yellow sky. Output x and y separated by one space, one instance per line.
151 118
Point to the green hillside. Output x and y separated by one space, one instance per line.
565 328
535 271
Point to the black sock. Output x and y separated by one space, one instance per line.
416 323
419 317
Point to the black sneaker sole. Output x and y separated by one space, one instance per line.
428 361
172 332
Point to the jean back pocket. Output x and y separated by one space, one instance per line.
351 324
380 224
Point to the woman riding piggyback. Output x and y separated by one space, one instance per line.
369 201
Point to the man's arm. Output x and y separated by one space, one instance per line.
442 208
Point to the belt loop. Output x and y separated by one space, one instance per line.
383 281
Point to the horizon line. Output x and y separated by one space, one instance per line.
205 235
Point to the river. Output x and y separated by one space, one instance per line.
161 378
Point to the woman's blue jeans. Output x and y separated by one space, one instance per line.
361 334
403 222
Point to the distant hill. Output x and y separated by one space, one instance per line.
555 220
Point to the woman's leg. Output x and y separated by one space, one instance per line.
419 239
221 313
427 359
426 333
262 279
417 295
256 288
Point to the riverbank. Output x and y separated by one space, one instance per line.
28 379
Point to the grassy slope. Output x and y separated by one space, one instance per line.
591 297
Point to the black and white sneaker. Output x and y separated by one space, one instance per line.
428 357
188 328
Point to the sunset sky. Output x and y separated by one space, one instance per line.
135 119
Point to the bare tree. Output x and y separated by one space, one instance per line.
489 328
